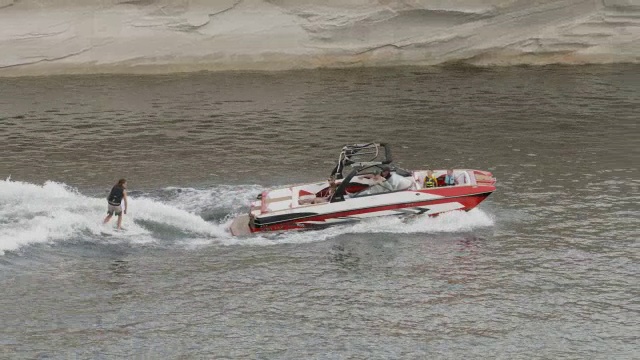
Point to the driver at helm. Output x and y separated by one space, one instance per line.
394 181
387 181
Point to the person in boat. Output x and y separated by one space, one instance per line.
386 181
396 181
430 180
449 179
114 202
322 199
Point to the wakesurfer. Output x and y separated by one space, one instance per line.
114 202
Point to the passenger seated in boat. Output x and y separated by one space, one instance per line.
449 180
430 180
327 194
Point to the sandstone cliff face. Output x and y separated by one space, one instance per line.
89 36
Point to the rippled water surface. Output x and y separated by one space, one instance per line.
547 267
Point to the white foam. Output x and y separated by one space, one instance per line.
55 212
233 197
32 213
452 222
154 211
456 221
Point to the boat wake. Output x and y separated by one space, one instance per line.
55 213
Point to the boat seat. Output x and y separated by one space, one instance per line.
441 180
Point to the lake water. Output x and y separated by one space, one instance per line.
546 267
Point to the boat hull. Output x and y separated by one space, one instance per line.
429 202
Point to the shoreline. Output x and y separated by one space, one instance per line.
38 70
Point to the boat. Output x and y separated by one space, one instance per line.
356 191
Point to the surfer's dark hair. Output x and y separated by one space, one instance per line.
122 181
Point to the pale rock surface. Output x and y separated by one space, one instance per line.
151 36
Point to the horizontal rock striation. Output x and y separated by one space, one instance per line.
157 36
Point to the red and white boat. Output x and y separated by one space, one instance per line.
360 195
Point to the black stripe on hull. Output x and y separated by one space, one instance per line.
287 218
276 219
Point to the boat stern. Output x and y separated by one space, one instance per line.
240 226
